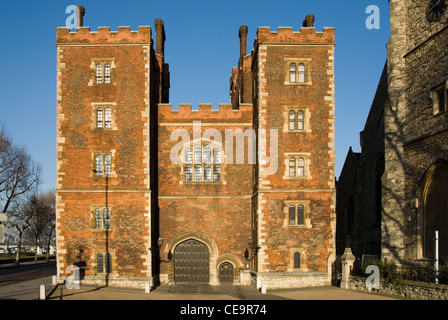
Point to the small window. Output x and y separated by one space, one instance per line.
216 173
292 167
99 118
292 215
301 73
217 156
99 73
107 164
197 173
106 218
103 164
98 219
292 72
207 173
441 99
107 73
188 156
108 118
292 120
188 173
108 263
99 263
300 215
103 266
301 167
296 215
207 154
297 260
99 165
197 154
300 120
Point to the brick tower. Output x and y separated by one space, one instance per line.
243 194
107 82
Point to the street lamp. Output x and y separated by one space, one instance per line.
253 246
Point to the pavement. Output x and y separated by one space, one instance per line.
24 289
210 293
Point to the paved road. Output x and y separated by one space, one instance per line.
23 282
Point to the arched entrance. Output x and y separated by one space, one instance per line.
226 273
435 211
191 262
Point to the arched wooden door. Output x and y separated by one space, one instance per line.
436 213
226 273
191 262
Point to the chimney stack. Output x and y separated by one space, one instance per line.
80 14
243 40
160 37
309 21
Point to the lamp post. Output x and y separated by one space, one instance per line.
253 246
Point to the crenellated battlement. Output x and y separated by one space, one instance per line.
205 112
288 35
104 35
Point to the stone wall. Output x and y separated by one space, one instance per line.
404 289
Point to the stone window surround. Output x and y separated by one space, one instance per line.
306 120
93 209
296 155
113 173
297 61
104 105
95 263
307 213
434 95
202 142
93 67
302 260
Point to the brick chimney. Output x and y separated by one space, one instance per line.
309 21
80 14
160 38
243 40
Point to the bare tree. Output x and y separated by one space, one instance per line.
19 174
19 219
43 222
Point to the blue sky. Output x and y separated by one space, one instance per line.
202 47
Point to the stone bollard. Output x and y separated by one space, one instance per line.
347 260
263 288
147 288
42 292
